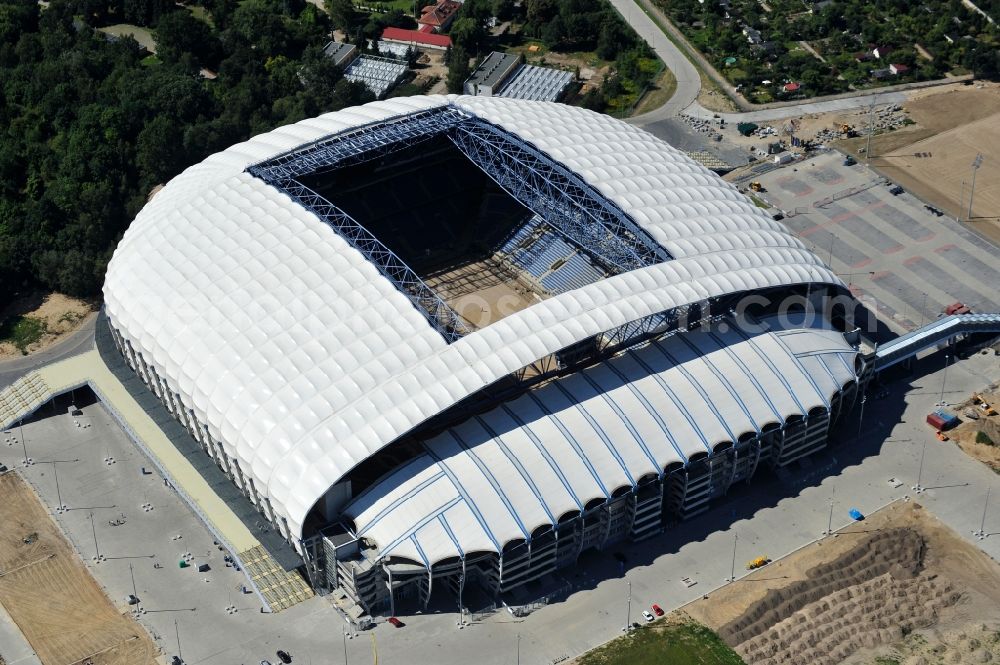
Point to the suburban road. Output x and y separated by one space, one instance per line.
78 341
684 100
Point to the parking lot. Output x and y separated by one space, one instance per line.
101 473
896 255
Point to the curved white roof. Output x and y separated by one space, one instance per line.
302 359
501 475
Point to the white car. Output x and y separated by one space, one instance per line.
647 615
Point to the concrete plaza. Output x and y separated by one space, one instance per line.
898 257
100 473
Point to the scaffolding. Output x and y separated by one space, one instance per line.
380 75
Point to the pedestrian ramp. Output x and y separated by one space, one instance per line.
276 588
944 329
22 398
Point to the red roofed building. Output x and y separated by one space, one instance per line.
898 69
438 16
417 39
791 87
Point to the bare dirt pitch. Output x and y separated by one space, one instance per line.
51 595
483 292
933 157
897 583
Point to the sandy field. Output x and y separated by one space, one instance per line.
60 314
51 596
899 583
933 157
483 292
964 436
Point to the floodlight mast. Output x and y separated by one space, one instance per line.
976 163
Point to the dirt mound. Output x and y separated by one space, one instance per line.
879 611
897 552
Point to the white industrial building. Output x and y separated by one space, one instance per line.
288 300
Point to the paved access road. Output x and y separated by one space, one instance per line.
638 14
78 341
688 79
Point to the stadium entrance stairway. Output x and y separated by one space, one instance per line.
276 587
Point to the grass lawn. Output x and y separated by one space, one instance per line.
661 643
22 331
142 35
405 6
661 90
200 13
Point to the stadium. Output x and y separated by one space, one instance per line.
446 345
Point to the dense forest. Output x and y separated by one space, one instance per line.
91 124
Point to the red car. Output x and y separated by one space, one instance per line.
396 622
657 610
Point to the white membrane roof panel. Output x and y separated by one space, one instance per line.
303 360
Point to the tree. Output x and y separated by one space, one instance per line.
983 60
458 69
180 33
468 33
342 14
258 23
145 12
503 9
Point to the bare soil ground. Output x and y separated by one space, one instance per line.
965 434
60 314
875 585
952 126
51 596
483 292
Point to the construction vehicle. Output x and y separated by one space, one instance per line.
756 186
983 405
847 131
759 562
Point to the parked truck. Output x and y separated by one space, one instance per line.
957 308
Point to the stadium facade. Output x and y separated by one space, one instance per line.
452 341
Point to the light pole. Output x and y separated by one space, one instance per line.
871 130
981 534
345 645
944 377
519 649
177 634
135 593
628 608
961 203
97 549
732 572
24 446
829 521
923 309
60 508
918 488
976 163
